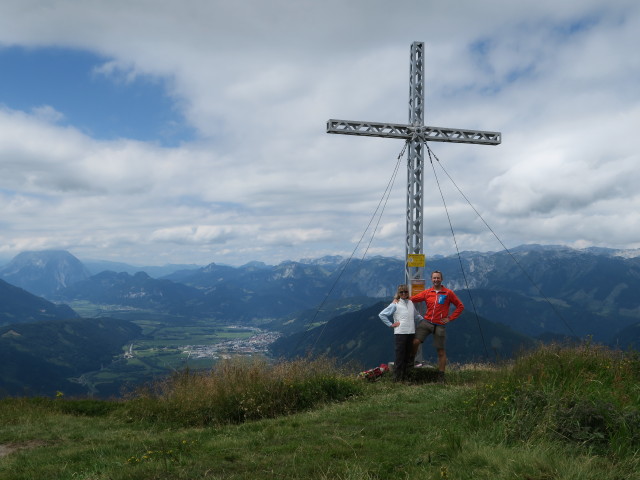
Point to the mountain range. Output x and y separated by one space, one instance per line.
329 305
532 289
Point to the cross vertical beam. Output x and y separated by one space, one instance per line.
415 164
416 133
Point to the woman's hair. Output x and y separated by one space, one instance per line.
402 286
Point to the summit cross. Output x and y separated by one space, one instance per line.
417 134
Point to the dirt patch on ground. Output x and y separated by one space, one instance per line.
6 450
9 448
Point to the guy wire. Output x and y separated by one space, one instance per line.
455 241
515 260
385 199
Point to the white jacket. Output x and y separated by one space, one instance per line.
403 312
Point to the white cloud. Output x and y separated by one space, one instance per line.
47 113
258 80
116 72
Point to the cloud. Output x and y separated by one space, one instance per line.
262 180
47 113
116 72
195 234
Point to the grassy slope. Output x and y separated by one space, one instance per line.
390 431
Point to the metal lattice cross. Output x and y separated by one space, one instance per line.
417 134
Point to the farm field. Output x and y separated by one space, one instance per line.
168 345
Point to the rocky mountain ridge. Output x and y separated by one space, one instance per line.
598 285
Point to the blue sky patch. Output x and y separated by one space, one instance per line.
93 103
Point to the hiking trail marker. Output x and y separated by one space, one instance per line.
416 133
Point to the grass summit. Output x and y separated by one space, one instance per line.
554 413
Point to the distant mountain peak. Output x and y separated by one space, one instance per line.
44 272
326 260
11 333
255 265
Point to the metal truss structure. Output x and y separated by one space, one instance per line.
408 132
417 134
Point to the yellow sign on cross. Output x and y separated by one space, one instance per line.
415 260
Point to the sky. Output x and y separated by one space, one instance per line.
157 132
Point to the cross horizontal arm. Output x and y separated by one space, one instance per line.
427 134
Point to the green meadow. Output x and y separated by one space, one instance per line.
558 412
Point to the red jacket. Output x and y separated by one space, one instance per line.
438 304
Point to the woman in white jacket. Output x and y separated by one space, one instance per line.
402 317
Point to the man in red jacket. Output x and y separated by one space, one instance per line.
439 300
